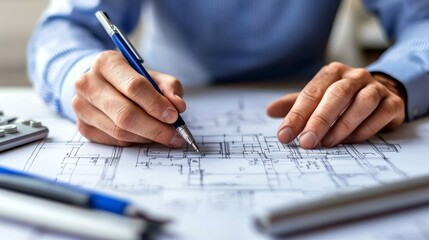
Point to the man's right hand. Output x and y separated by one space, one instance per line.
116 105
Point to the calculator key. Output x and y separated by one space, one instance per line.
35 124
26 122
2 133
10 128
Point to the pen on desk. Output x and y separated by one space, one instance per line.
62 218
25 183
136 61
343 208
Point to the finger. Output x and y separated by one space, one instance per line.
96 135
336 99
381 117
92 116
115 69
171 88
281 106
126 114
307 101
363 105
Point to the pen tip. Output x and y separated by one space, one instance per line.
197 149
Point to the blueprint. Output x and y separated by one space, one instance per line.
244 168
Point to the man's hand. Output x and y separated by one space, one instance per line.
339 105
115 105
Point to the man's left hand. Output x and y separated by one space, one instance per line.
340 104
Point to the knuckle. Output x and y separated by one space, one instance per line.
153 106
321 120
312 93
391 108
296 117
82 83
399 104
156 134
340 91
105 58
169 82
347 125
118 133
371 97
124 117
169 78
134 87
359 73
335 68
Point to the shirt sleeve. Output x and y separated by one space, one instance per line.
66 42
406 24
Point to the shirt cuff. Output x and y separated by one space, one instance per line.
415 81
68 89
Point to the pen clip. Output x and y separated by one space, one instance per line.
111 29
129 45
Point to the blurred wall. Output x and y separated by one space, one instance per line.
353 30
17 20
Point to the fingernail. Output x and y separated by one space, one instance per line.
328 140
308 140
285 135
177 141
169 115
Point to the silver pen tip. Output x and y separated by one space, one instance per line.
196 148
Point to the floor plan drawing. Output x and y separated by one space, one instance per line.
244 167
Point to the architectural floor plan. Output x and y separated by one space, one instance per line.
244 167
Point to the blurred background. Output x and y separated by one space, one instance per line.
355 40
18 18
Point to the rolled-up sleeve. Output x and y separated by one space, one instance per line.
406 23
66 42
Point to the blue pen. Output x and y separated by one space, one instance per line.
25 183
136 61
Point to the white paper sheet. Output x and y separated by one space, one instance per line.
244 170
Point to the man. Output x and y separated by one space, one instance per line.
228 40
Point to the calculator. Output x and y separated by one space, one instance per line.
14 132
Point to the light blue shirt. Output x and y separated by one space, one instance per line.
223 40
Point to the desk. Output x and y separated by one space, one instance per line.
246 169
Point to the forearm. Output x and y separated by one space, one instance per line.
65 44
407 60
55 49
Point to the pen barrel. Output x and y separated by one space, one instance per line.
68 219
59 192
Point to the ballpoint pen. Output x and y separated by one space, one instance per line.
61 218
64 197
26 183
136 61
